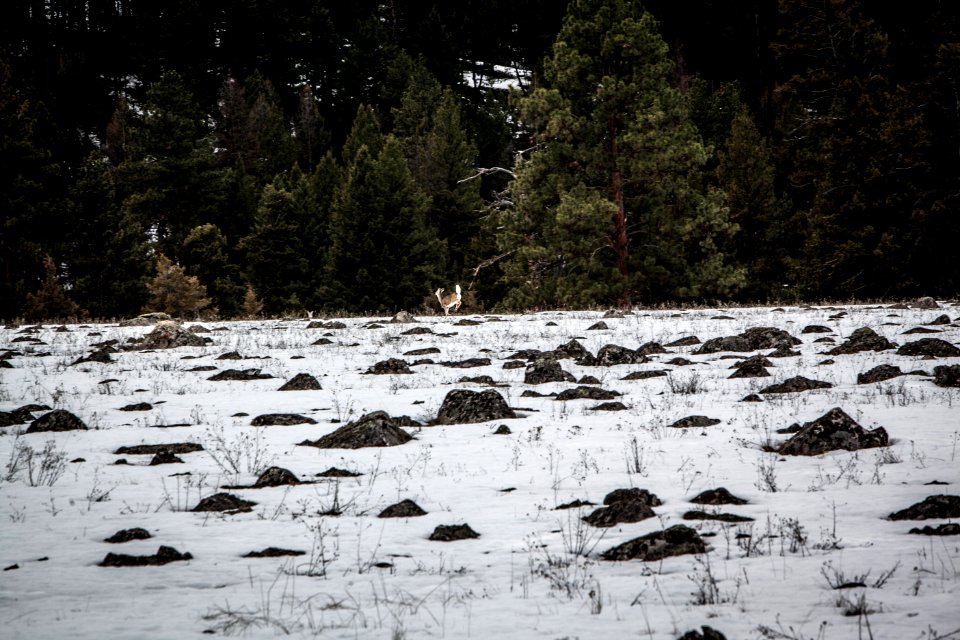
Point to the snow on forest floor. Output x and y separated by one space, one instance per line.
535 571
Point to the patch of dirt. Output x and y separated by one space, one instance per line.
453 532
693 422
376 429
932 507
153 449
281 419
833 430
301 382
126 535
721 517
930 348
164 555
862 339
720 495
585 392
402 509
273 552
753 339
462 406
544 370
224 502
796 384
241 375
390 366
677 540
57 420
947 376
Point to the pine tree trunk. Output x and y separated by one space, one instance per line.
619 242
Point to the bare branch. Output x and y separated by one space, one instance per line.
487 170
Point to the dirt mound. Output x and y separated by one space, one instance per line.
677 540
720 495
947 376
585 392
693 422
699 514
705 633
795 385
137 406
932 507
949 529
276 477
163 556
929 347
833 430
224 502
546 370
153 449
242 375
336 472
462 406
862 339
170 334
301 382
274 552
280 419
57 420
613 354
126 535
390 366
403 509
452 532
879 374
753 339
376 429
618 512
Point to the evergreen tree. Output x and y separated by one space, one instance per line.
611 128
206 256
174 292
276 260
50 302
383 255
854 146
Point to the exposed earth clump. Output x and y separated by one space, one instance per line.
795 385
164 555
932 507
301 382
947 376
403 509
929 347
862 339
720 495
281 419
677 540
545 370
376 429
462 406
753 339
452 532
57 420
225 502
833 430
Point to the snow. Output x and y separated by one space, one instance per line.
521 577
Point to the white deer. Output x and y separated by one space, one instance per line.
449 300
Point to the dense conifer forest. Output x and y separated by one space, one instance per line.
226 158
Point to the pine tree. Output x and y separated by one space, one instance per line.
612 134
383 255
175 292
50 301
206 256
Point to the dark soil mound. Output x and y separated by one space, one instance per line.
688 341
469 363
449 533
705 633
693 422
334 472
274 552
624 511
949 529
57 420
301 382
634 494
613 354
721 517
165 457
879 374
422 352
816 328
281 419
584 392
644 375
375 429
677 540
932 507
833 430
717 496
862 339
276 477
947 376
137 406
126 535
546 370
153 449
170 334
930 347
242 375
572 350
393 366
610 406
403 509
224 502
795 385
751 370
753 339
163 556
462 406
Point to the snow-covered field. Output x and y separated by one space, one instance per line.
535 571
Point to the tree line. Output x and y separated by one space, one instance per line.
234 157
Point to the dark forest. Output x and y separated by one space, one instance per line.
214 158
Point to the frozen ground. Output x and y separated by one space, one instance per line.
535 571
